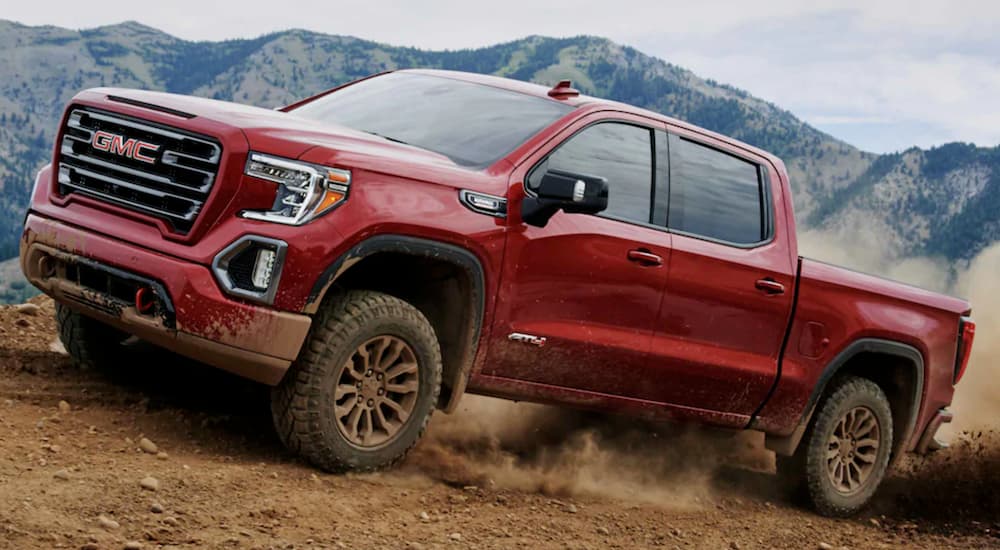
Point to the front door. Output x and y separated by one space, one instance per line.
579 298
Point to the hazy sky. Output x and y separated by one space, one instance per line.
881 74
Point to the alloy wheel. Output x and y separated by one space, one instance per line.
376 391
852 450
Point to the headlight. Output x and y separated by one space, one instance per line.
305 191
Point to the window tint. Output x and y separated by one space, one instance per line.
713 194
620 153
472 124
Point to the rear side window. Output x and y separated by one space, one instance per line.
618 152
714 194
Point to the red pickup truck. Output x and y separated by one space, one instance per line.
380 249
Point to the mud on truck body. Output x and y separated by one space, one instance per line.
378 250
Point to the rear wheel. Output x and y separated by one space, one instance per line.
362 391
91 343
845 452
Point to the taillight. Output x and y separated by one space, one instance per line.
966 334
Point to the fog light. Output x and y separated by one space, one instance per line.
263 267
251 267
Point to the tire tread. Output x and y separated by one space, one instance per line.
296 405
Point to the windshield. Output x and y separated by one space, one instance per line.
472 124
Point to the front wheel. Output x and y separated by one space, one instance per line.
89 342
845 452
364 387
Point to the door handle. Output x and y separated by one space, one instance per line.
644 257
770 286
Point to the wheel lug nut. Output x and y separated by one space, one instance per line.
371 402
379 377
369 373
360 399
381 391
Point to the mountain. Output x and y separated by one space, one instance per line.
942 201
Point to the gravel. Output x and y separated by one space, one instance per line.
107 523
148 446
149 483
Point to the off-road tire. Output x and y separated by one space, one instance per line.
810 464
303 404
90 343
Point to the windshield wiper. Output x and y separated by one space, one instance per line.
385 137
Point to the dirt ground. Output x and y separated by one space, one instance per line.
73 462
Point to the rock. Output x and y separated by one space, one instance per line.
133 545
23 323
27 309
424 516
570 509
825 546
61 474
149 483
455 536
171 520
107 523
162 455
64 407
156 508
734 545
603 530
875 522
148 446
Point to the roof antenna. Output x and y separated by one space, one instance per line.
563 90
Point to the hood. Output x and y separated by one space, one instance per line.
269 131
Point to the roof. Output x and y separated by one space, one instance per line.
593 103
519 86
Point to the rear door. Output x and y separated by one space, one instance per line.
731 285
579 298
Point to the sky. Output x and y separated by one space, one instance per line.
883 75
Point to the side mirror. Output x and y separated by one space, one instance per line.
566 191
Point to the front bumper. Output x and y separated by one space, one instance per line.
192 316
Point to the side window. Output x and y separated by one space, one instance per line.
618 152
714 194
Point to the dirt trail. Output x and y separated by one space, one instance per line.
495 475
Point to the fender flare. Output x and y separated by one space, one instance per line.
427 248
788 444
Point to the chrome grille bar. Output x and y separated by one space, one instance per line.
173 184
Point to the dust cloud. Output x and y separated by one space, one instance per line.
977 397
565 453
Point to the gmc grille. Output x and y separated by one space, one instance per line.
173 187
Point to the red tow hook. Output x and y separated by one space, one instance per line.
145 300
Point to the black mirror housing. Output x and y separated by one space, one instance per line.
566 191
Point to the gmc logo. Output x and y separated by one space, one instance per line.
129 148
